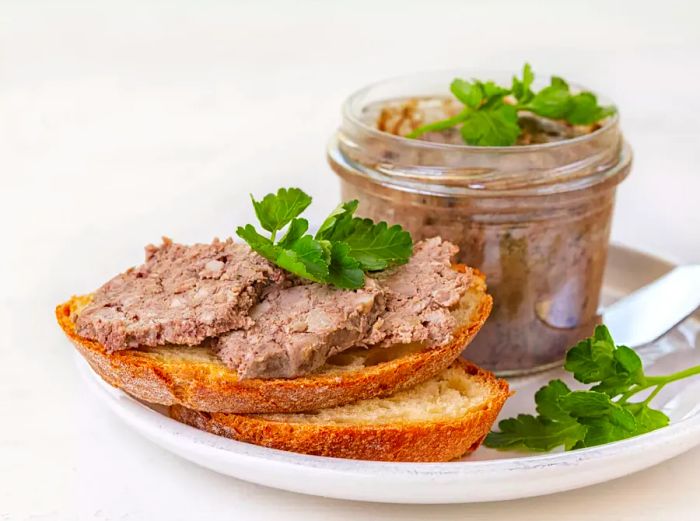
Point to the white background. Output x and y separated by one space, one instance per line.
124 121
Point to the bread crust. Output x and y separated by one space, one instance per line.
426 441
212 387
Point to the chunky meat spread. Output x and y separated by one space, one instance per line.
419 297
298 328
180 295
268 324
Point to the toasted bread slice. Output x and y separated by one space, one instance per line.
438 420
196 378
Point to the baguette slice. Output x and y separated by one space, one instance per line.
440 419
196 378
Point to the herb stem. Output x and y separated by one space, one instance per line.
653 394
655 380
634 390
659 382
440 125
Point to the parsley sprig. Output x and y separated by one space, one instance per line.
343 249
490 114
602 414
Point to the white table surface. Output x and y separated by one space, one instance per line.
124 121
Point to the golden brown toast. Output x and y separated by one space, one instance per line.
194 377
440 419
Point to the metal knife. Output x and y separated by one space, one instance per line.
652 311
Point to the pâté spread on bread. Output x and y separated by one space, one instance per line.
264 322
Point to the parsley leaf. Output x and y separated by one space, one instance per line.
491 112
374 246
585 418
306 258
297 229
342 250
597 359
559 82
535 433
344 270
476 93
547 401
592 360
378 246
492 91
338 225
495 127
647 419
557 102
522 89
584 405
552 102
276 210
552 428
257 242
586 111
469 93
600 430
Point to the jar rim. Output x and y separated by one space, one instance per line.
347 168
354 102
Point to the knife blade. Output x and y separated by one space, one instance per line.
651 311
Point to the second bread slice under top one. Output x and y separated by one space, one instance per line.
440 419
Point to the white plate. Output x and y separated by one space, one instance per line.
487 475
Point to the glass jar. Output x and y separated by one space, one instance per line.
534 218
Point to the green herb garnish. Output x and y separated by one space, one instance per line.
602 414
490 114
343 249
